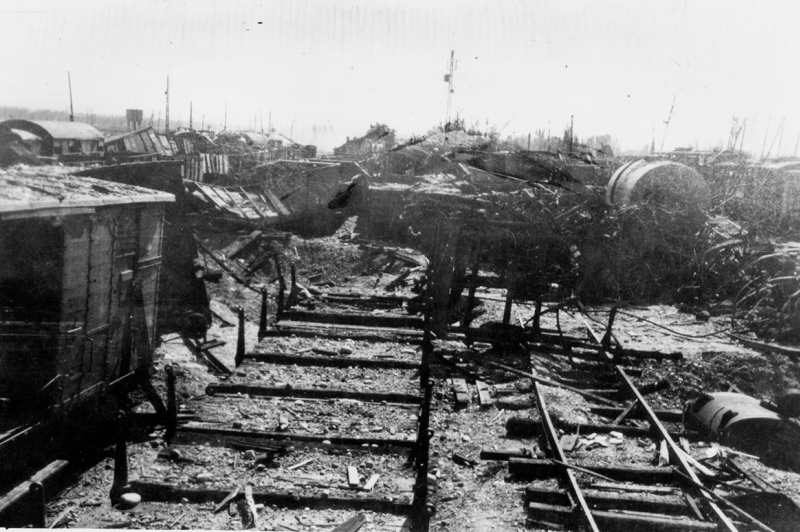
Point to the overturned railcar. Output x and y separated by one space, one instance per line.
79 278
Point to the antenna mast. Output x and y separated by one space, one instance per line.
449 79
166 118
71 115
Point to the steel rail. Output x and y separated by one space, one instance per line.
675 456
555 446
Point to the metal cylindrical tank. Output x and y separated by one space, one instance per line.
662 183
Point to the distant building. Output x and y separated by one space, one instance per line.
61 138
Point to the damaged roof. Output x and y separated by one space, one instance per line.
25 189
57 130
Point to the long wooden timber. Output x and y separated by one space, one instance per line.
354 332
227 435
605 500
156 491
365 320
330 362
622 521
540 468
316 393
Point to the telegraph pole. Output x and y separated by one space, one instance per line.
166 118
449 79
71 115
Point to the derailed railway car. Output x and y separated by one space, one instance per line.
79 282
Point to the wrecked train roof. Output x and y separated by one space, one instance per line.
56 130
29 190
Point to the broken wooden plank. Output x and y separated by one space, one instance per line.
352 476
484 398
241 244
251 504
461 392
625 411
371 482
322 393
277 203
228 498
300 464
352 525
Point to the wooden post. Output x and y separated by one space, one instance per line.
281 288
262 322
473 285
38 517
509 295
240 341
120 459
172 405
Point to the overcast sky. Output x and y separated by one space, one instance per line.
327 70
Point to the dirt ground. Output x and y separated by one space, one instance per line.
480 498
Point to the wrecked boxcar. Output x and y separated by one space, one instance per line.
79 278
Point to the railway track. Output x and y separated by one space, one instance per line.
339 435
627 489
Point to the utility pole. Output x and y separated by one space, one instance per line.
69 81
449 79
190 116
664 138
571 133
166 119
